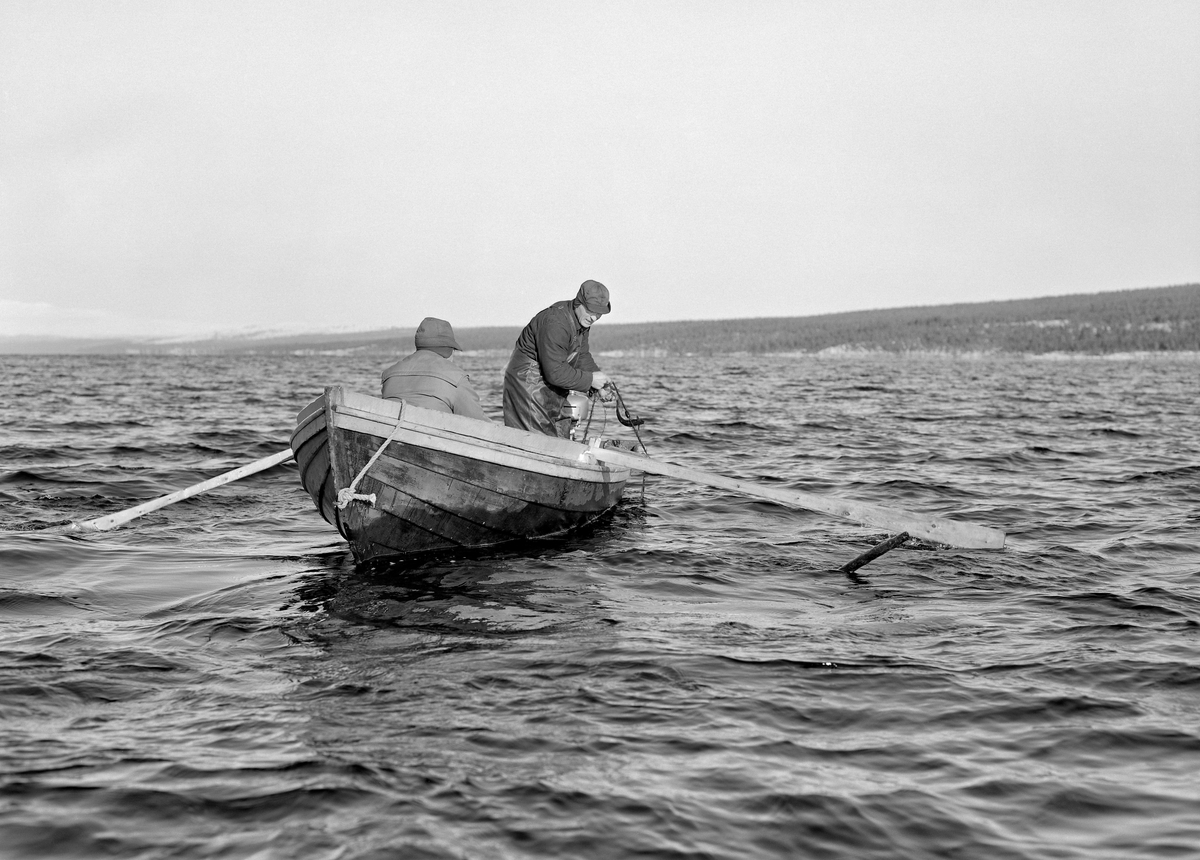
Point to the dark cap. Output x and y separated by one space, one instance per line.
435 332
593 295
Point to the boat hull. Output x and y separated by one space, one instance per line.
442 482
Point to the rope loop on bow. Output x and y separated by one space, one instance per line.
346 495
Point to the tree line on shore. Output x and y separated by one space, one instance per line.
1149 320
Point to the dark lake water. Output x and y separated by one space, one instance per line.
693 678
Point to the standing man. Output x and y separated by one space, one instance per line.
551 359
428 378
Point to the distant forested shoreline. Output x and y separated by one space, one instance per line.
1154 320
1165 319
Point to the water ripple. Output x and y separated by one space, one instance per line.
693 677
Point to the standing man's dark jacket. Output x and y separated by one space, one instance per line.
551 358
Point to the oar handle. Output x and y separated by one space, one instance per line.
922 526
111 521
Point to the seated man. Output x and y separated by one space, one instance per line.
428 378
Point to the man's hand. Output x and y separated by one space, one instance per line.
599 380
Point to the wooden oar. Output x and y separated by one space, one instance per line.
111 521
918 525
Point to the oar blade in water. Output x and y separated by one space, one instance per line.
922 526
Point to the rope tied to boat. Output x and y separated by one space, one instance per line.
346 495
633 422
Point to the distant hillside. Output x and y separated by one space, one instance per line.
1160 319
1149 320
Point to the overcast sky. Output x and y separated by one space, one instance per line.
170 167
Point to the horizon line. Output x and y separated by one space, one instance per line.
263 332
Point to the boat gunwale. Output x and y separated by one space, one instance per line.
480 430
414 421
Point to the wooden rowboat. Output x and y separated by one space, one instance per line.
398 480
412 480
